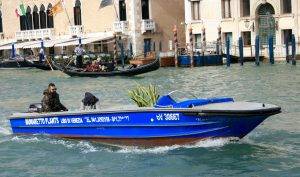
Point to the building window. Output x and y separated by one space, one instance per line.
197 41
195 10
226 8
1 25
145 9
23 23
245 8
77 13
122 10
50 23
287 35
36 18
43 20
246 38
28 19
286 6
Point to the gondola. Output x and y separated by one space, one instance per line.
43 66
72 71
18 63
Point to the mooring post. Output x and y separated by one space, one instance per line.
228 57
115 49
191 46
257 51
241 51
175 46
220 40
293 50
13 51
203 41
122 54
287 58
271 49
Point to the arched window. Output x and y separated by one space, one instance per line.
122 10
266 23
145 9
77 13
43 20
36 19
23 23
1 26
28 19
50 23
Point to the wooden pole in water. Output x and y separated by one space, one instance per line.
203 41
287 58
241 51
219 41
257 51
228 60
115 49
191 46
176 45
293 50
271 49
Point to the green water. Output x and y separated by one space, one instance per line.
272 149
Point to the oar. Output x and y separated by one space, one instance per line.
49 64
70 62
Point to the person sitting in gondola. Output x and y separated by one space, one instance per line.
50 101
89 101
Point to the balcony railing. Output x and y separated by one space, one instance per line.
35 34
121 26
76 30
147 25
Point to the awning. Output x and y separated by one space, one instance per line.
47 43
74 41
24 44
86 40
6 46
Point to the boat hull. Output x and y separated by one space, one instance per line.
153 127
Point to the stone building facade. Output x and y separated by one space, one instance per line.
142 24
244 18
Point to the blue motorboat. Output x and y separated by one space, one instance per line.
170 122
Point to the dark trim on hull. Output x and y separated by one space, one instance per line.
41 66
129 72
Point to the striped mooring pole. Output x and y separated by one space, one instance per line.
257 50
228 60
271 49
115 49
241 51
219 40
191 46
203 41
175 45
293 50
287 58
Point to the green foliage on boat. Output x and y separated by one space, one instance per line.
144 96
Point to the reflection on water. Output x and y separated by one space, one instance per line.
272 149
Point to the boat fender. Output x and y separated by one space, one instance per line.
35 107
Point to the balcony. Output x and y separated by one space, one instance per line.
35 34
121 26
148 25
76 31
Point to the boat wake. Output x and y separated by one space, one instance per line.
164 149
88 147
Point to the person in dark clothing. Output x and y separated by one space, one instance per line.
89 101
50 101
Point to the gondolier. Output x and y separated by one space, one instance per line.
41 55
79 51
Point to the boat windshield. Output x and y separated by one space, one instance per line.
180 96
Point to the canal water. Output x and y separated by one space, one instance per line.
272 149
